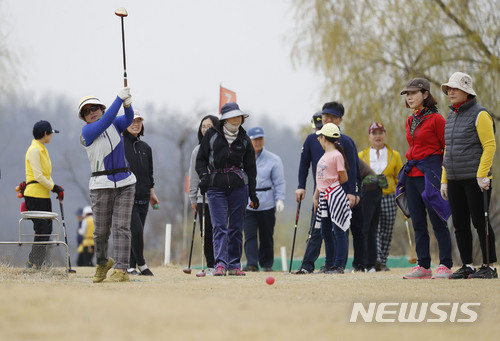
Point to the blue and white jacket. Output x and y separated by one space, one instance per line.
105 149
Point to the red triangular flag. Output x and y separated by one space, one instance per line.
226 96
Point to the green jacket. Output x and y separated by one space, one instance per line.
394 165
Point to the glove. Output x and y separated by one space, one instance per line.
280 205
60 192
128 101
203 184
124 93
254 202
484 183
444 191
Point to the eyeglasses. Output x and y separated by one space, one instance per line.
88 110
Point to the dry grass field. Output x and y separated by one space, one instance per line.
175 306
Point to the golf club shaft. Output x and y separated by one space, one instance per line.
124 59
412 251
294 235
192 240
202 233
486 226
307 241
64 231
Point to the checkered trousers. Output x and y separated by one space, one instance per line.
112 210
388 210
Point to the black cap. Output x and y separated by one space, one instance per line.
42 127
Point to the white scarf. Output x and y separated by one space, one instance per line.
230 132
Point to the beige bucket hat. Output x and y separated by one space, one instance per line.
459 80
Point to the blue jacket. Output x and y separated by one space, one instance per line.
270 180
105 149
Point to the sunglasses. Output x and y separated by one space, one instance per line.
88 110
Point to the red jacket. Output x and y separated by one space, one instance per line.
427 139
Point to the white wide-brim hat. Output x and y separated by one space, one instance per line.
88 100
459 80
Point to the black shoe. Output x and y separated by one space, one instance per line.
463 273
485 272
302 271
132 272
356 269
251 268
146 272
378 266
335 270
384 268
324 269
267 269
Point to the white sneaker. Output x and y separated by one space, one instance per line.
209 271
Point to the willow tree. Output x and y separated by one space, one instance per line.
368 49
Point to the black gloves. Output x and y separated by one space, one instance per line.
60 192
254 202
203 184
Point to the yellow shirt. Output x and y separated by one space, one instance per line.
484 128
39 169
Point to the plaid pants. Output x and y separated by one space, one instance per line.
388 210
112 210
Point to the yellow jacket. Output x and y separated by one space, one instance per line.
39 169
394 165
87 231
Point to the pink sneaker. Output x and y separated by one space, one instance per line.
220 271
419 272
442 272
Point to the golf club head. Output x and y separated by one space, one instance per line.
201 274
412 261
187 270
72 271
121 12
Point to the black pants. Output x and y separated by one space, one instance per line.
370 203
139 213
467 203
41 227
259 242
358 237
208 247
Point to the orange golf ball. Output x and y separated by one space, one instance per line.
270 280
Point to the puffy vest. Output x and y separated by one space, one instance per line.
463 147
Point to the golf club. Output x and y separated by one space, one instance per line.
307 243
413 256
202 272
294 235
65 236
122 12
188 269
486 226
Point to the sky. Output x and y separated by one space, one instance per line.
178 53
